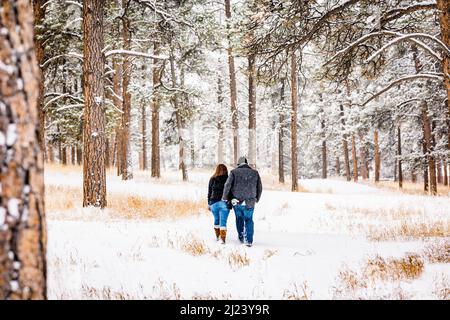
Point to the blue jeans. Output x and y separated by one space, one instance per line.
244 222
220 212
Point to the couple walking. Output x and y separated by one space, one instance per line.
240 190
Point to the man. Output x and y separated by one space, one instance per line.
244 187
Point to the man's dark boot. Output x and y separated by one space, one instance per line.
217 231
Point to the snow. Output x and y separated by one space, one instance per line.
302 240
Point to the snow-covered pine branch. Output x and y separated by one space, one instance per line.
68 55
59 96
114 94
433 76
135 53
410 36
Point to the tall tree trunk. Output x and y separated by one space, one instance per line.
426 180
94 135
179 118
51 153
155 162
439 172
354 159
338 166
233 89
64 156
294 99
39 15
22 215
72 155
281 132
127 173
399 154
220 139
117 83
79 155
144 137
362 154
345 145
445 173
324 151
251 111
376 155
429 148
444 22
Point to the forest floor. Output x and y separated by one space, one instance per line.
333 240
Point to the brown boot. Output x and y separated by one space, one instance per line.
217 231
223 235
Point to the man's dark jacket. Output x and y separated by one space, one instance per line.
244 184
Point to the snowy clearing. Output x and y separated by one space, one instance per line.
335 241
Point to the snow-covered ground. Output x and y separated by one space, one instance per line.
311 245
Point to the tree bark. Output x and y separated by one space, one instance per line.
39 15
445 173
233 89
429 148
64 156
144 137
345 145
426 180
22 215
324 151
251 111
376 155
294 99
155 161
178 118
444 22
338 167
94 135
399 154
362 154
281 132
354 159
117 83
127 173
220 139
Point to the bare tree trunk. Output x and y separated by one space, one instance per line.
39 15
445 173
294 99
233 90
127 173
156 165
51 153
64 156
79 155
377 156
178 116
338 166
399 154
345 146
439 172
251 111
362 154
144 137
281 132
355 160
23 239
426 183
72 155
444 22
117 79
220 144
429 148
94 135
324 151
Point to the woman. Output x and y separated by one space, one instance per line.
220 209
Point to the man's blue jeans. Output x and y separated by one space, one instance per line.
220 212
244 222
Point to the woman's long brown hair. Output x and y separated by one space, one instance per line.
221 170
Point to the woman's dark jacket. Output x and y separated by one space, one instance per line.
215 189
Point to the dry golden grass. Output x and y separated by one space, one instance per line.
298 292
396 213
194 247
438 251
59 198
409 267
441 287
105 293
238 260
408 187
410 230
